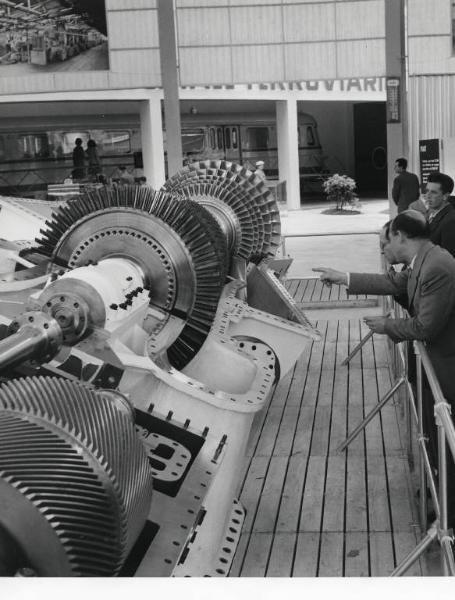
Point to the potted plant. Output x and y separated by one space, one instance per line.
340 189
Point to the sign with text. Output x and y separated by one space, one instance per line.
429 158
393 99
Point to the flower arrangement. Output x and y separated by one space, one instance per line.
340 189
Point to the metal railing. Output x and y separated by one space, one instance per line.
413 405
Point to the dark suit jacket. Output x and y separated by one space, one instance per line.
431 291
442 229
405 190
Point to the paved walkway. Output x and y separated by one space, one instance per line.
324 243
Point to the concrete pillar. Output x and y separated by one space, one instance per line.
288 150
397 143
170 83
152 142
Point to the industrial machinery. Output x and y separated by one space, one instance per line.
147 331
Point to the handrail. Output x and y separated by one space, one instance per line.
446 432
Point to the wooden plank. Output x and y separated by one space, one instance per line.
356 554
321 430
373 431
311 511
405 542
331 555
333 517
354 339
271 495
291 286
304 431
308 292
282 555
355 413
314 369
269 431
252 489
381 553
281 392
239 555
289 509
306 556
403 519
300 375
257 555
286 433
378 502
392 440
356 497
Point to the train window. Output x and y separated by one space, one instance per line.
227 137
257 138
114 141
212 138
2 148
69 140
235 139
310 136
192 140
219 138
34 145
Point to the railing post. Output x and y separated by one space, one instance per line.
420 433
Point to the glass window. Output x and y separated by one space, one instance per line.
192 140
219 138
112 142
257 138
310 136
235 138
212 138
34 145
227 137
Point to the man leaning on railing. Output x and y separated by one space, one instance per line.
429 283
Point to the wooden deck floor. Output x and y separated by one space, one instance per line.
311 510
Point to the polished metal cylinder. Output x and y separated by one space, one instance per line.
33 336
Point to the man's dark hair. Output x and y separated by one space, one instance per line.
412 223
386 228
445 181
402 162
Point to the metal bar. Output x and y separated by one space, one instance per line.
362 342
371 414
410 559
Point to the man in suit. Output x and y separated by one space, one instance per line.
406 186
440 212
429 282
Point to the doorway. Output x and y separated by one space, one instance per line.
370 148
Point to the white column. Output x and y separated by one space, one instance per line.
288 150
152 142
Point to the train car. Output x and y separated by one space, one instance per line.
36 153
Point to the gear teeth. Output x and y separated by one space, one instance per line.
195 226
238 187
77 461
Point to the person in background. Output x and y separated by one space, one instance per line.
78 160
94 164
142 181
122 176
259 171
406 186
440 212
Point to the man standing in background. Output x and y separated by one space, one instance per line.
406 186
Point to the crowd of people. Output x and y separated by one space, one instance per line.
419 247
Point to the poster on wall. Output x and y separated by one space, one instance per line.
42 36
429 158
